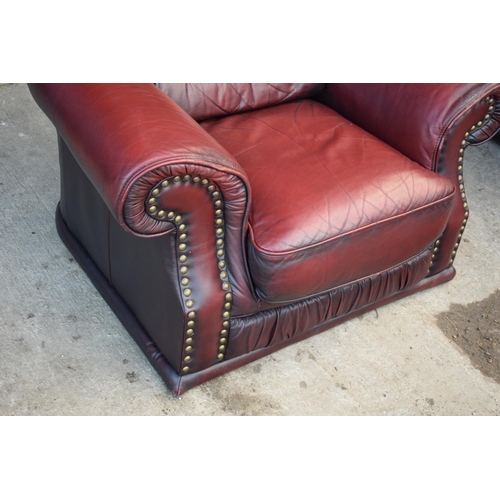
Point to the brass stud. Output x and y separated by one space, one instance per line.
182 247
461 151
189 331
204 182
185 369
177 178
220 242
462 228
490 108
459 237
466 215
187 359
187 178
220 356
218 212
435 250
155 192
456 245
218 203
223 332
437 242
183 237
473 127
225 324
152 209
466 134
220 253
460 168
189 340
479 124
183 258
463 196
460 177
464 143
161 213
225 286
184 269
487 117
223 275
189 348
196 179
219 222
460 159
171 215
464 221
225 314
164 184
189 303
190 324
222 264
191 315
211 187
185 281
229 296
178 218
223 341
187 292
182 228
453 253
152 201
222 348
227 305
466 205
215 194
451 261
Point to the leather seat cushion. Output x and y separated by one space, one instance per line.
331 204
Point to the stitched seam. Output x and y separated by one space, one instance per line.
352 231
339 287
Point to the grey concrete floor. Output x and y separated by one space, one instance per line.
62 351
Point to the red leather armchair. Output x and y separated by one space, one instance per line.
222 222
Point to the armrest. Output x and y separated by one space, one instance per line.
149 159
121 132
412 118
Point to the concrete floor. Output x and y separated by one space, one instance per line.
62 351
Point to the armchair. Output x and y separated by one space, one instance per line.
222 222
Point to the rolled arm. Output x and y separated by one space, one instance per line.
120 133
413 118
158 172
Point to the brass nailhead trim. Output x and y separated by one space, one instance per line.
461 186
215 196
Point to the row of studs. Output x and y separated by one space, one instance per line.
463 145
219 232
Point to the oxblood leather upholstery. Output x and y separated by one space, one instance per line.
205 100
326 193
270 220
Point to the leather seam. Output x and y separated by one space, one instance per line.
348 233
332 289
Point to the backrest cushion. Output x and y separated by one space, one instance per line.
208 100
